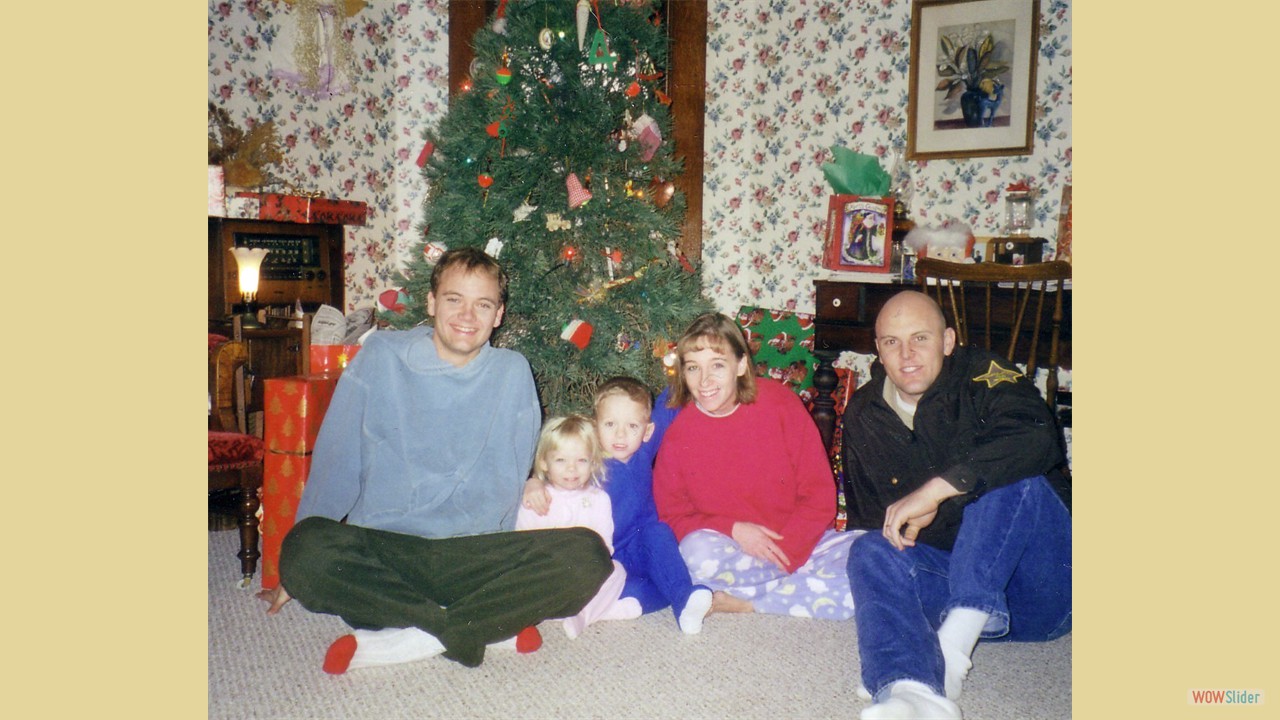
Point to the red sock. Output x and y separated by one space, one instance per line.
528 640
339 655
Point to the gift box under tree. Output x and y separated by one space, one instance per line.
294 408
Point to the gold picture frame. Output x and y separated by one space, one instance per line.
973 78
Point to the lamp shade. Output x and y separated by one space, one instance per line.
248 264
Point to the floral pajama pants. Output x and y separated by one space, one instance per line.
817 589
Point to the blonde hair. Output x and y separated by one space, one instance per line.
627 387
719 333
570 427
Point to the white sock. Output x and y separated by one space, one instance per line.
695 611
392 646
508 644
911 700
958 636
573 626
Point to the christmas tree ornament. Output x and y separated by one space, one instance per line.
555 222
597 292
633 89
425 155
648 134
546 38
500 18
678 254
494 248
584 12
577 332
395 301
613 258
599 54
623 343
433 251
578 195
503 73
661 191
485 180
523 212
497 128
662 97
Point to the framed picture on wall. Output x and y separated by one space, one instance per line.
859 233
973 78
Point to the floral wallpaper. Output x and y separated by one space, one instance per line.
785 82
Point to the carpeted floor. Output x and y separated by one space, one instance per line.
740 667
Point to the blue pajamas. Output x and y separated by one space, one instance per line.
656 575
817 589
643 544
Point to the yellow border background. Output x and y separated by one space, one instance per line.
105 599
1175 497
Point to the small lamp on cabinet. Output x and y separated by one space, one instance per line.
248 266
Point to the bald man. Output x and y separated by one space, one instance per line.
953 457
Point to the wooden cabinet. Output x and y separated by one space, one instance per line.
305 264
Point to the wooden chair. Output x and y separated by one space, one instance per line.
235 457
1013 310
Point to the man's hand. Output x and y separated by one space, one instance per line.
276 596
915 511
536 497
758 542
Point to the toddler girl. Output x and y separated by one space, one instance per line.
570 463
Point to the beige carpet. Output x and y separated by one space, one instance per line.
740 667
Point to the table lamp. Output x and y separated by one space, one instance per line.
248 265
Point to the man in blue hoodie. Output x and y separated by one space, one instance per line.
424 451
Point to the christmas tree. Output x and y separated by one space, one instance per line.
555 161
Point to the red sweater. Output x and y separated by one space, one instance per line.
764 464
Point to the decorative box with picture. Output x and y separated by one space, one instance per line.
859 233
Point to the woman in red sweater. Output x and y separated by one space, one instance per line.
743 480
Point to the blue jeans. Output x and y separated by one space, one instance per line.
1011 559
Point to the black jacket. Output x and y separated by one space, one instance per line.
976 427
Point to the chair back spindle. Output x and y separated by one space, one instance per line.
955 285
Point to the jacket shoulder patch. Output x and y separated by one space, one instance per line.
996 375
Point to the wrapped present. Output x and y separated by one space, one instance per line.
283 477
331 359
294 408
781 346
299 209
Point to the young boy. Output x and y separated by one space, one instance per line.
630 429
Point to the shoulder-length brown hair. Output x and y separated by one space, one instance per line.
717 332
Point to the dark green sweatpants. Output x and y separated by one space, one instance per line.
466 591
